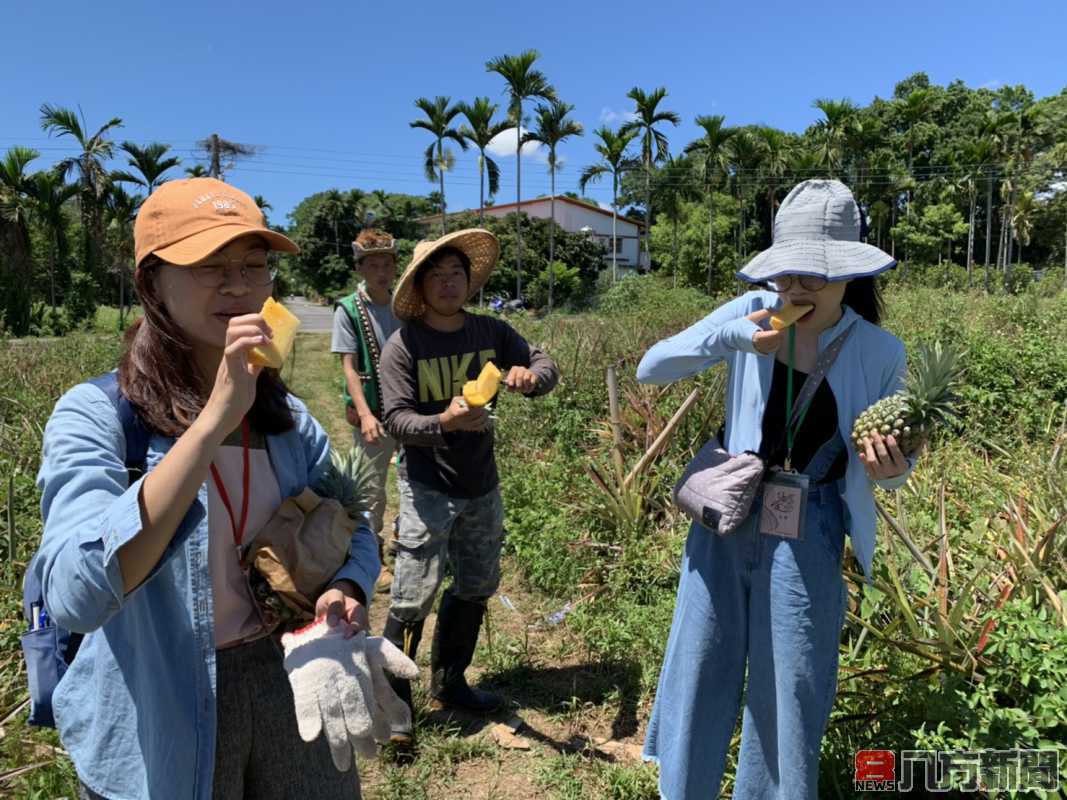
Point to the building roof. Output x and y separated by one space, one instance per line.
560 198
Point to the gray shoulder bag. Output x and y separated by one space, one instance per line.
717 488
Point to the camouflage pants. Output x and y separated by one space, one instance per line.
438 531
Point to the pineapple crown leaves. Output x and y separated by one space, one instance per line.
934 378
349 479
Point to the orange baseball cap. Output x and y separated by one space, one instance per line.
186 220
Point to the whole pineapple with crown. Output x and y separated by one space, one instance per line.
927 400
349 479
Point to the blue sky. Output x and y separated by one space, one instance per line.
327 88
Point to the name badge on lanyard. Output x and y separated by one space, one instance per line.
785 502
785 492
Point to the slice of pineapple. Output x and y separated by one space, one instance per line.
480 391
283 325
787 315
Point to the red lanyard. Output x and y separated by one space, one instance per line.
238 531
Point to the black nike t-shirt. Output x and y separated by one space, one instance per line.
422 369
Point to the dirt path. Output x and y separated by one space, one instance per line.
569 716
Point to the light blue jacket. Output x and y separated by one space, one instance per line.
869 367
136 709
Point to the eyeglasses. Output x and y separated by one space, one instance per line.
812 283
258 268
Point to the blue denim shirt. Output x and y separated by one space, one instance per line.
869 367
136 709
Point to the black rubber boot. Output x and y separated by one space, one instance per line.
406 636
454 640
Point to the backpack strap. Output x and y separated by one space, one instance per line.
136 433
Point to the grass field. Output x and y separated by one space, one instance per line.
961 643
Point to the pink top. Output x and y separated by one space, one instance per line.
236 619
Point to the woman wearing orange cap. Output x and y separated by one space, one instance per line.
178 689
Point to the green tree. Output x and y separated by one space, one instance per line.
687 240
654 146
480 130
672 186
96 148
150 161
262 205
121 209
439 115
712 152
746 156
196 171
553 127
832 132
50 196
615 160
777 157
16 206
524 83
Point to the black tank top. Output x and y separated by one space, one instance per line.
819 427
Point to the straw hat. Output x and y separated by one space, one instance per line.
817 232
480 246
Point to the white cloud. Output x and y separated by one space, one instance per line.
503 145
609 117
994 84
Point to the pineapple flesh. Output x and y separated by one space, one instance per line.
927 400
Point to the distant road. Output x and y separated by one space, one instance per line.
313 318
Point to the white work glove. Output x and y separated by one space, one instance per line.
388 711
333 691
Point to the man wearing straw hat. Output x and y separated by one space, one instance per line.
362 323
450 506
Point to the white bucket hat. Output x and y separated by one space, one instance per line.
817 232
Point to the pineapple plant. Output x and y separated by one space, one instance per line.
350 480
927 400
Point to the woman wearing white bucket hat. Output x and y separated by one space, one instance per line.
769 599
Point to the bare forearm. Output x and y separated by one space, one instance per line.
355 386
166 494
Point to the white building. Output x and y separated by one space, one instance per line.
578 216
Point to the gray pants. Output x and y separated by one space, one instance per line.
380 454
258 751
436 531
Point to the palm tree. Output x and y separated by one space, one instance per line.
777 159
121 209
262 205
713 154
746 155
196 171
439 116
480 130
150 161
975 157
833 131
552 128
672 187
89 166
524 83
915 108
644 125
50 195
16 204
614 161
